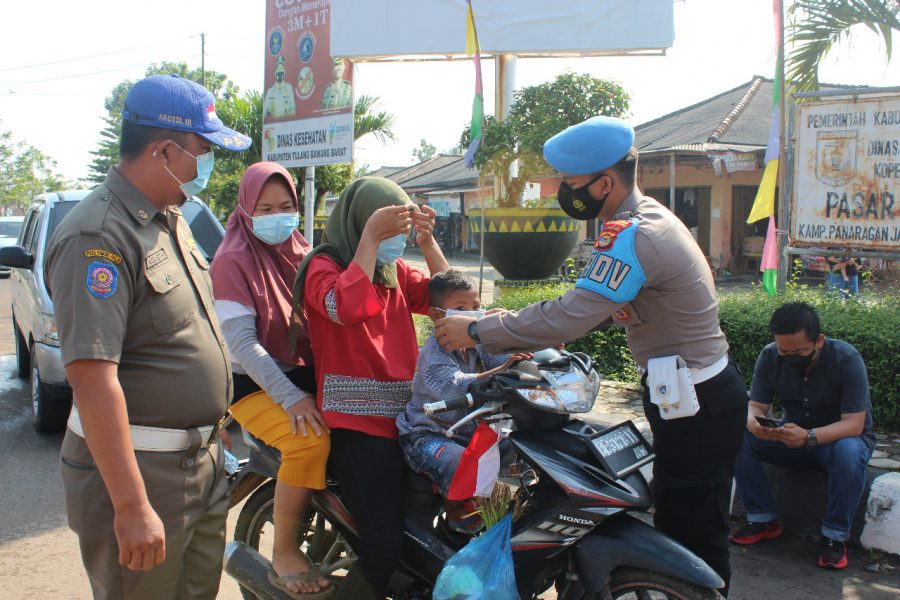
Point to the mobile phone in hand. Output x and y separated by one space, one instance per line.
767 422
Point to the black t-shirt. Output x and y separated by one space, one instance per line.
836 384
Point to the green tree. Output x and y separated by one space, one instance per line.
816 26
424 151
107 153
537 113
25 172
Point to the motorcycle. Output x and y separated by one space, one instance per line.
579 491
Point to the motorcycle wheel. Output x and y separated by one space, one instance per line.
640 584
323 546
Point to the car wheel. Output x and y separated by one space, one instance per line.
23 358
50 409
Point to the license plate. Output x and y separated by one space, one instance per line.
621 449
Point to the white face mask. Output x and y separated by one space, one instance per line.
452 312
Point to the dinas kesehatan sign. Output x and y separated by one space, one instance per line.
847 174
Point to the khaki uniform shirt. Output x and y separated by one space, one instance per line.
279 101
648 274
338 95
130 286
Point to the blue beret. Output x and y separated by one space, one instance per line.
590 146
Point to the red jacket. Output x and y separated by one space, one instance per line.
364 343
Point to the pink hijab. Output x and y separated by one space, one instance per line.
248 271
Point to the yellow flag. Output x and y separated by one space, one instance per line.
764 205
471 41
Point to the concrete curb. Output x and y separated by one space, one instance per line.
882 528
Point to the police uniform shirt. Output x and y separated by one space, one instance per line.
337 95
649 274
836 384
130 286
279 100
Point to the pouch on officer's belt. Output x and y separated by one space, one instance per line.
671 387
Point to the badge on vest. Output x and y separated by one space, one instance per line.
613 270
102 279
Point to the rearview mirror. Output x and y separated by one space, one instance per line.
16 257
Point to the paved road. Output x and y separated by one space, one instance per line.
39 556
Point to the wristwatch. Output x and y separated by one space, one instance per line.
473 331
811 439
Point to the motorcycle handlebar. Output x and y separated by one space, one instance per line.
452 404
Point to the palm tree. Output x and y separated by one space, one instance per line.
366 120
815 26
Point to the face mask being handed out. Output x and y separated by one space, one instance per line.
578 202
205 164
276 228
452 312
391 249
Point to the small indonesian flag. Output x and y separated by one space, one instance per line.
479 466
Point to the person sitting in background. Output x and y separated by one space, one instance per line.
441 375
823 387
844 275
274 381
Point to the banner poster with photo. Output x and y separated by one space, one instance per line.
847 174
308 97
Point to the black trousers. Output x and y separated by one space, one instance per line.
694 467
371 473
303 377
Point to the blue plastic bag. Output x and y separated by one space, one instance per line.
483 569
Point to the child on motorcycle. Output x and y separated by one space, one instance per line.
357 295
441 375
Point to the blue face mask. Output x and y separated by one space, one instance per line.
391 249
205 164
276 228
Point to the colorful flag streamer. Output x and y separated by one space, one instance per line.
476 131
764 204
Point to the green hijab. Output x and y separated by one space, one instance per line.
345 227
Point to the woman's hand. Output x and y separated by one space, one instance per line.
304 413
424 223
387 222
516 357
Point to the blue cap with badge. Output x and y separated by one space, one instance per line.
173 102
589 147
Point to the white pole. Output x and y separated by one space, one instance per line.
309 198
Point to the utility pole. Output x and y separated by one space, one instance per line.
203 59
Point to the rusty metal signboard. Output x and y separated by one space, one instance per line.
847 174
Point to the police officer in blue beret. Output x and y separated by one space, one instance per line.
647 273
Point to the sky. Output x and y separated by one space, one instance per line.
59 59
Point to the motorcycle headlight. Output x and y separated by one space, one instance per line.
569 392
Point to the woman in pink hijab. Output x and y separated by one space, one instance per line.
274 380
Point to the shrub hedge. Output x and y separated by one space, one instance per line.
872 326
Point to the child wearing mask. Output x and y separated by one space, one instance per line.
441 375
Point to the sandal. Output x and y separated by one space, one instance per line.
311 576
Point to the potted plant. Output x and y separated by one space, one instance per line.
530 241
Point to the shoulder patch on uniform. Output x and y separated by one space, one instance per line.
613 270
609 233
98 252
102 279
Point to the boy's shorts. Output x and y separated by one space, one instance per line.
434 456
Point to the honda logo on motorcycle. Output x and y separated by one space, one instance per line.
576 520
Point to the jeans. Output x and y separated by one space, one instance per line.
434 456
844 461
844 288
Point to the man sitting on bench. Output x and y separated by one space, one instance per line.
821 384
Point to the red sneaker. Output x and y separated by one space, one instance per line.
833 554
752 533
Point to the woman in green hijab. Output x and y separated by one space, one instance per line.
356 295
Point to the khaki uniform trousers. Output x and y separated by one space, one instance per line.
189 492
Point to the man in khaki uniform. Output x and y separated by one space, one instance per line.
647 273
142 469
338 93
